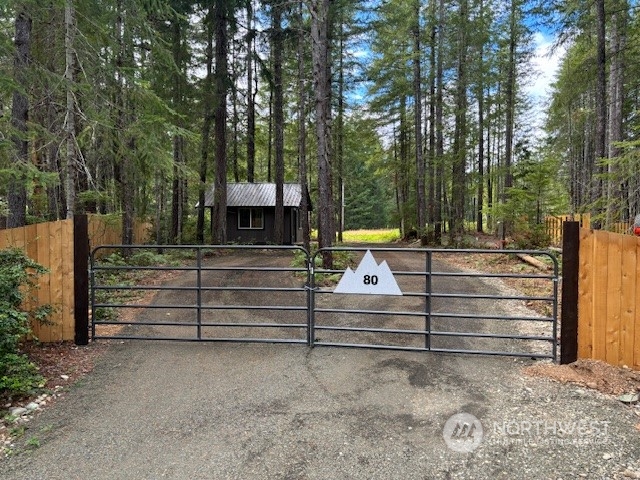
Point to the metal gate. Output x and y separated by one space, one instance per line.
212 293
396 298
440 308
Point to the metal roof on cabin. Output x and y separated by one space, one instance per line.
258 195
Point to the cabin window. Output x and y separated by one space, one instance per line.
250 219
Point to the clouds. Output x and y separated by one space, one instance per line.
544 66
545 62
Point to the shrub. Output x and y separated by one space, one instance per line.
18 376
532 237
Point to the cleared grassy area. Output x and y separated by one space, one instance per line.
371 236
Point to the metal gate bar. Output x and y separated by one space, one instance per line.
199 288
430 315
315 310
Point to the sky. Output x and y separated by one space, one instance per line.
545 63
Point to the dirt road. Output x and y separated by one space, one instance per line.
241 411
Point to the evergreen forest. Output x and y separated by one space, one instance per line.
410 114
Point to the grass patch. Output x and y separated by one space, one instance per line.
371 236
33 442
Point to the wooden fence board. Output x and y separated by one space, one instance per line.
17 237
58 258
43 257
628 299
613 300
553 225
68 298
4 239
636 324
585 297
32 251
622 227
609 296
598 292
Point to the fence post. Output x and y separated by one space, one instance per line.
569 315
81 278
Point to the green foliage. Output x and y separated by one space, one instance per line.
189 231
341 260
123 278
368 198
536 193
148 258
531 237
299 259
33 442
18 376
17 432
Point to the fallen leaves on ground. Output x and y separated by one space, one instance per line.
63 363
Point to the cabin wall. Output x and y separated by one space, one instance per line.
262 236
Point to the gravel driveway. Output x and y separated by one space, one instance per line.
240 411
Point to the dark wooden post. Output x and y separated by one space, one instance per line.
570 268
81 278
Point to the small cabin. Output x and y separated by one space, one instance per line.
251 212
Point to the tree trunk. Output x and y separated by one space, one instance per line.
615 201
481 149
236 137
251 100
219 214
322 87
179 190
278 111
481 146
235 118
510 106
397 183
179 193
17 190
404 165
417 119
160 208
340 131
207 107
127 114
460 135
601 110
70 124
128 194
488 169
124 145
439 120
431 187
302 131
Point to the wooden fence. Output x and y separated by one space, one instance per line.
107 230
52 245
554 225
608 298
608 309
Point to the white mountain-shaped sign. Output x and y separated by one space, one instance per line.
369 279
